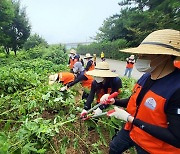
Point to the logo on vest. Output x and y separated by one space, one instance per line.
150 103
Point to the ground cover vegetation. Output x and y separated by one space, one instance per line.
38 118
136 19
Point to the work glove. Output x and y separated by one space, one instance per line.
63 88
120 114
104 99
98 111
83 113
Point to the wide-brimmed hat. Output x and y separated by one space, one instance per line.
53 78
166 42
102 70
72 51
88 55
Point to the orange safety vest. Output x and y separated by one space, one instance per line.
151 110
101 93
129 65
71 64
177 63
66 77
92 67
87 83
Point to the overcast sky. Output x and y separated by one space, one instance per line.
67 21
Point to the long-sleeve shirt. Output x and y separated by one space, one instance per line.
171 134
80 77
114 83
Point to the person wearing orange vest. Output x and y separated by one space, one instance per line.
129 65
90 63
94 59
153 110
104 82
85 80
62 77
81 77
71 59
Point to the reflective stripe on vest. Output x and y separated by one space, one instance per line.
151 110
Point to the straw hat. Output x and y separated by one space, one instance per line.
166 42
52 78
102 70
88 55
72 51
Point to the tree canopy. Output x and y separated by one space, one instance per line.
138 18
14 25
34 40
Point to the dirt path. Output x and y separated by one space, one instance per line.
119 67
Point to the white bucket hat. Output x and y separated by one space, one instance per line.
53 78
102 70
88 55
165 42
131 57
72 51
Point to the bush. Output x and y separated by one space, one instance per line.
56 55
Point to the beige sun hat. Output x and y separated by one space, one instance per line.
53 78
72 51
88 55
166 42
102 70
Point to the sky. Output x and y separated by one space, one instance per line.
68 21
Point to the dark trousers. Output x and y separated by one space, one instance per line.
85 95
122 141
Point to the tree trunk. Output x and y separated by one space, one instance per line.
7 50
15 51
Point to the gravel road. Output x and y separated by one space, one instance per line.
119 67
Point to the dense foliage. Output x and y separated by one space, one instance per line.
38 118
34 40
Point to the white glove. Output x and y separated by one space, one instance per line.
83 113
97 111
104 98
63 88
120 114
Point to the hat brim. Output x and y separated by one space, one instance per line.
151 49
51 82
102 73
53 78
87 57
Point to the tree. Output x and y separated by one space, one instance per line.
6 19
34 40
139 18
14 25
19 30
